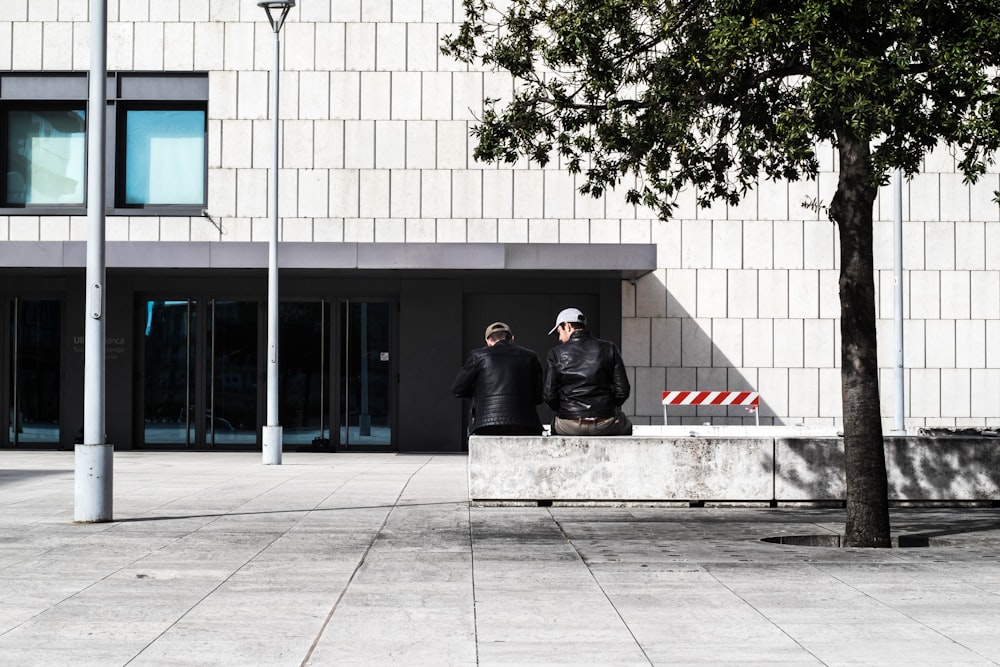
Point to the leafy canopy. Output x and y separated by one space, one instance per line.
716 92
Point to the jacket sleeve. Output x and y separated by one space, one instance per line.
619 380
464 385
537 378
550 388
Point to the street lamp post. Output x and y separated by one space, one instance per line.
277 11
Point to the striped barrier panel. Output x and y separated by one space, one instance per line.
747 398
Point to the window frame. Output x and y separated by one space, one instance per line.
125 91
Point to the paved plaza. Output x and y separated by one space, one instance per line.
371 559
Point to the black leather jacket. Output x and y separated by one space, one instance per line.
586 377
505 382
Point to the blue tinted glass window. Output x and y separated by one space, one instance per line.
164 157
46 156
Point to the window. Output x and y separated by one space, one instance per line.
156 143
164 157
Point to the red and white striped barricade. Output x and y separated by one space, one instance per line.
748 398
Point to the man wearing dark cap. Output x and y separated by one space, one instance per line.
505 382
586 383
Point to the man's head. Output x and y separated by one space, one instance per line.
497 332
567 321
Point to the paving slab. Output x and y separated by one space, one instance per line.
330 559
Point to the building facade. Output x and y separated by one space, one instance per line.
397 247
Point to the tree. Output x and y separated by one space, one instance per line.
715 94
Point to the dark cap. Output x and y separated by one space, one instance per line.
497 327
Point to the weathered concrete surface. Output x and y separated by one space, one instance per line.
762 468
620 468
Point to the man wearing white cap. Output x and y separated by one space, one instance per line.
505 382
585 384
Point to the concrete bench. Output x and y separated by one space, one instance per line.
695 465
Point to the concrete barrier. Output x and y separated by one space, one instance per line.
758 467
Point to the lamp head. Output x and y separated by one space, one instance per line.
276 4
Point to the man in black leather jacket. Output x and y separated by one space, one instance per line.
586 383
505 382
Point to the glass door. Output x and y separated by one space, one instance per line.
33 372
200 373
304 378
365 375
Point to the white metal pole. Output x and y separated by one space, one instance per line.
271 435
897 283
93 459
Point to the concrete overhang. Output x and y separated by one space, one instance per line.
629 260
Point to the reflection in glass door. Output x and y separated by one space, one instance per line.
365 378
200 408
34 369
304 382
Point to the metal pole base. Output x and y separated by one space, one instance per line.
271 437
93 483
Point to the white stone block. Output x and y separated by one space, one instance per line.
665 342
666 234
512 230
359 47
955 393
803 294
251 193
682 292
940 343
467 96
359 145
820 242
178 46
222 192
543 230
345 193
727 244
390 230
559 195
26 45
314 95
237 143
7 37
374 193
376 95
359 230
422 45
345 95
925 197
772 200
498 193
982 198
574 231
742 293
985 293
802 196
712 293
328 138
440 11
482 231
179 229
650 295
992 246
421 230
696 252
636 231
803 392
758 343
940 248
421 144
53 228
404 193
635 341
528 193
390 144
436 101
829 294
955 198
435 198
727 341
467 193
313 194
925 294
970 244
955 294
696 342
390 49
452 145
328 230
984 399
788 244
376 10
57 46
772 300
606 231
788 343
405 103
209 44
298 144
820 348
913 246
452 230
758 237
970 344
288 182
914 347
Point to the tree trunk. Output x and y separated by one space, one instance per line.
864 450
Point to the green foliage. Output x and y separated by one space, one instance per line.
714 93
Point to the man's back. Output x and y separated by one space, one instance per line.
505 381
586 377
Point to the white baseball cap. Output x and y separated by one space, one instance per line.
569 315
